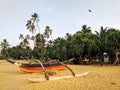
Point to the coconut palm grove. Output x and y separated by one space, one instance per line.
82 45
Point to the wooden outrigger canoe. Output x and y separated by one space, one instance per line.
38 67
46 68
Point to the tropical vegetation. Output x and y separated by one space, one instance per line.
82 44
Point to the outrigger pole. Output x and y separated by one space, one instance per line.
67 68
46 73
43 68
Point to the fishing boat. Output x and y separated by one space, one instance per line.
48 69
53 65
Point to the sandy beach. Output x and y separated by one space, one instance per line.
100 78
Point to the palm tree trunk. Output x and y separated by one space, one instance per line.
33 38
80 60
116 55
38 27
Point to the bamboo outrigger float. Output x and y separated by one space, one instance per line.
37 80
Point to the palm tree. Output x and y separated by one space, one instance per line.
78 46
36 20
110 42
31 25
85 44
5 45
25 43
47 35
103 38
27 37
21 44
47 32
113 42
40 41
86 29
21 37
68 36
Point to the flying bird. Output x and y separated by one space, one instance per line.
89 10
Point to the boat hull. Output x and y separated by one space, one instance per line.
39 69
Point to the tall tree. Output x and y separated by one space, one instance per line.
5 45
31 25
21 37
103 38
25 43
59 48
47 32
113 42
110 42
40 41
27 37
85 29
36 20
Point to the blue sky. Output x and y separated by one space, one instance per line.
63 16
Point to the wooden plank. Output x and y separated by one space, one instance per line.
36 80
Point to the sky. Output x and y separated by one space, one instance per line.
63 16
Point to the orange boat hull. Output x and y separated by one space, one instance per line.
39 69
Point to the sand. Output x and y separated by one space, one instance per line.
100 78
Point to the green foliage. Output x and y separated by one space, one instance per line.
4 51
20 53
3 57
80 45
37 53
